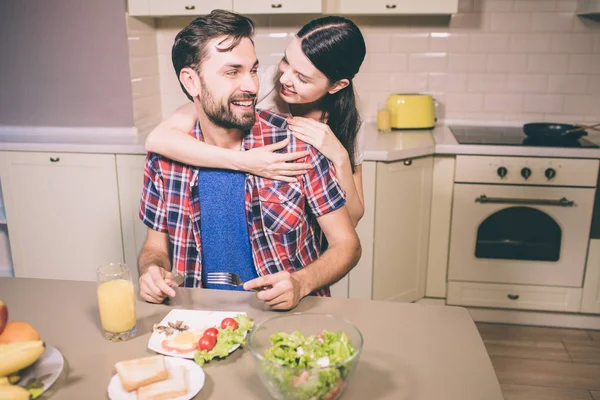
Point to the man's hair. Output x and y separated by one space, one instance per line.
189 49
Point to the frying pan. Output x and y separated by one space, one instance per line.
550 130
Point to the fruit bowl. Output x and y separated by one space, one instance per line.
314 358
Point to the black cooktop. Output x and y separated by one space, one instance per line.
511 136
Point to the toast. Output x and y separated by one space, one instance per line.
175 386
141 372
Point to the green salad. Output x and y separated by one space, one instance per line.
324 353
226 339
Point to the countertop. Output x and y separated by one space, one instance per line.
411 351
392 146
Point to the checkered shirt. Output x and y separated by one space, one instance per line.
281 216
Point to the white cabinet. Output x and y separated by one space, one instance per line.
62 212
130 173
163 8
277 6
402 215
392 7
590 302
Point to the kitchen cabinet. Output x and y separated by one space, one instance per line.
391 7
401 230
165 8
62 211
588 8
278 6
130 175
590 303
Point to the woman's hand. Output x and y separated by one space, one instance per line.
263 161
320 136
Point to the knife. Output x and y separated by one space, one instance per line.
183 296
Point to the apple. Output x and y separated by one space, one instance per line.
3 315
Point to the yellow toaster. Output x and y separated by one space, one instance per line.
411 111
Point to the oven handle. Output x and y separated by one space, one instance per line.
563 202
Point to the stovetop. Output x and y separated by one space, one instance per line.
511 136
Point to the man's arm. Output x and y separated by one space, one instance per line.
344 251
154 268
341 256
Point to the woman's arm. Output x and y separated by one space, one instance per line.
323 139
171 139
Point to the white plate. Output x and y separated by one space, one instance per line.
46 369
194 380
196 320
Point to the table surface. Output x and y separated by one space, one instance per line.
411 351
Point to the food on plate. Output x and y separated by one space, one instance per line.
207 342
211 332
19 355
185 342
141 372
3 315
171 328
227 337
316 364
13 392
18 331
174 386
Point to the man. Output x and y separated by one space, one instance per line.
211 220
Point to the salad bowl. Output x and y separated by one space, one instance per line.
304 356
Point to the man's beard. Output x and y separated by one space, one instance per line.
221 115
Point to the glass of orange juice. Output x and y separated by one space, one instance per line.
116 301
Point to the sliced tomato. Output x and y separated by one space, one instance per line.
211 332
229 322
207 343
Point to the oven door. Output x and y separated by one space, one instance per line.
534 235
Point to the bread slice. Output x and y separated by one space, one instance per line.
173 387
141 371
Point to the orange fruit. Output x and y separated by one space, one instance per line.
18 331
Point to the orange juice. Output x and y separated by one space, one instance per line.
116 300
384 120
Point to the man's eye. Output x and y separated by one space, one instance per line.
232 73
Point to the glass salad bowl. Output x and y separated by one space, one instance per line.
304 356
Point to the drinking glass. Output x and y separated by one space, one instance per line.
116 302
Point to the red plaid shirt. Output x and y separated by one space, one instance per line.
281 216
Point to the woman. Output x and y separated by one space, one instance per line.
315 87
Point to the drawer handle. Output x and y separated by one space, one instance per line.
390 6
408 162
54 159
276 5
190 7
513 296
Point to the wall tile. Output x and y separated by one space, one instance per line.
571 43
486 83
394 62
582 104
594 84
464 102
534 5
467 62
428 62
584 63
503 102
568 84
407 42
378 43
470 22
548 22
511 23
408 82
540 63
527 83
507 63
566 5
531 43
442 82
543 103
493 5
489 43
449 42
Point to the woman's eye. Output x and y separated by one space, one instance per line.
300 79
254 72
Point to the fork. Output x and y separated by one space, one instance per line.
226 278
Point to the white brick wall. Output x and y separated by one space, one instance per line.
496 59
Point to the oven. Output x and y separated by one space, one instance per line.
519 220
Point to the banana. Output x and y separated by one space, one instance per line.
11 392
16 356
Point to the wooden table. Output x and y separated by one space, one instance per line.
411 351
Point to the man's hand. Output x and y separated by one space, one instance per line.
154 284
284 293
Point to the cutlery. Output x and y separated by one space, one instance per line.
226 278
582 127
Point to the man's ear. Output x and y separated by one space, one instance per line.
339 85
190 81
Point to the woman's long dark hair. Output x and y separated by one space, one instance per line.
336 47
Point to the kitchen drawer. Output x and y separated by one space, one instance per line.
522 297
277 6
177 7
393 7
